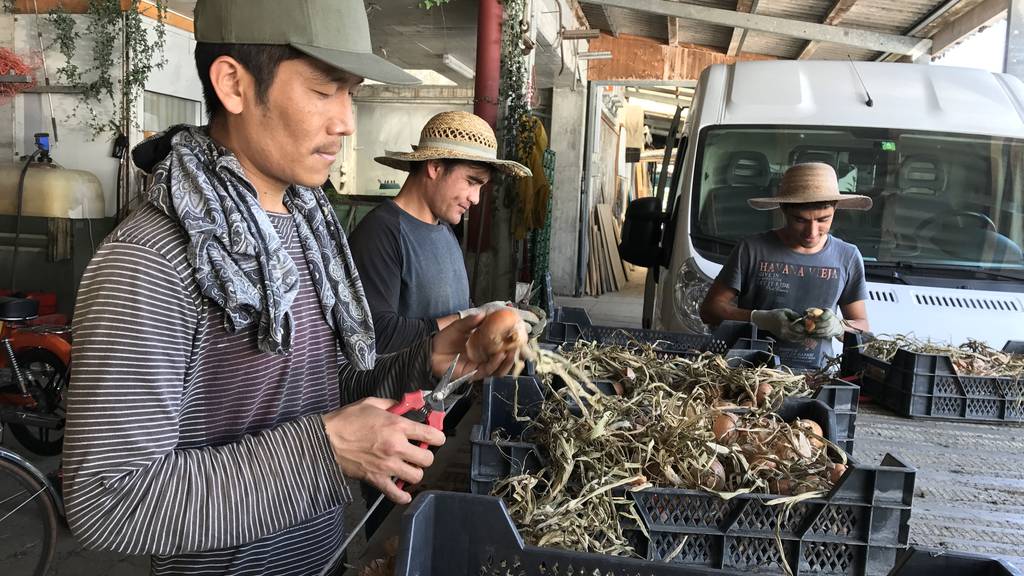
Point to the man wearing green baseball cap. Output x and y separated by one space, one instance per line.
226 383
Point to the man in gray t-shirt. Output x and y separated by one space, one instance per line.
770 279
408 258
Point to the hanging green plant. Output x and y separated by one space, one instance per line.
515 76
122 58
428 4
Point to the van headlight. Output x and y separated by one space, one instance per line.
691 287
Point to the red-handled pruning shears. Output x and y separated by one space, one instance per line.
426 408
430 407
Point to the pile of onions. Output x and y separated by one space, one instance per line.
771 451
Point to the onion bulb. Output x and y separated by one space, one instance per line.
501 332
714 477
811 318
813 431
781 486
764 390
725 427
837 472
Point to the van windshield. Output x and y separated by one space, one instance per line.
950 201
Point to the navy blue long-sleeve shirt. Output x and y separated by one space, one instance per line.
412 272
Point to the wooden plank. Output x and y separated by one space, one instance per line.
602 281
611 246
618 240
592 262
739 35
606 266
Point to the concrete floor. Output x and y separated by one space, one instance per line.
622 309
969 491
969 494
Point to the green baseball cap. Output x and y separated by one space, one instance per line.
335 32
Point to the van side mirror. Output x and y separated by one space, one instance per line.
641 233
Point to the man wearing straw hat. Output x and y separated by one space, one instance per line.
226 384
410 263
769 277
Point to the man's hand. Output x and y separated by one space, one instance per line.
827 326
452 340
371 444
529 317
780 322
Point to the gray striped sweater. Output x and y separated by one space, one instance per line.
183 440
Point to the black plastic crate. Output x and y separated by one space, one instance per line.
486 543
496 459
927 386
844 399
917 561
728 336
857 529
570 315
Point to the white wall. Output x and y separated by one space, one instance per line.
178 76
388 126
76 147
568 118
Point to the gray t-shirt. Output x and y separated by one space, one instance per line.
412 272
768 275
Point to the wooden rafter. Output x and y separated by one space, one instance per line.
739 35
839 11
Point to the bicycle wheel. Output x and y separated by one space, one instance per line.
48 383
28 522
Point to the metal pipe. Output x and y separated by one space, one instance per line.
485 105
488 61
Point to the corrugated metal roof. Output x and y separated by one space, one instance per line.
889 16
702 33
595 15
622 21
773 44
785 46
690 32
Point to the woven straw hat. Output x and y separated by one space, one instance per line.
811 182
455 136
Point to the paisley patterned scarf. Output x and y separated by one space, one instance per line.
238 258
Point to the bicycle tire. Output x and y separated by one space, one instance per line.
38 440
13 477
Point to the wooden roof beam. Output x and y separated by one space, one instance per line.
839 11
739 35
867 39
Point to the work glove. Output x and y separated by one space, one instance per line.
781 322
827 326
530 318
536 330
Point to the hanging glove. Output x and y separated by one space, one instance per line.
530 318
827 326
783 323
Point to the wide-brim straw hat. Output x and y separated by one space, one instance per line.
811 182
455 136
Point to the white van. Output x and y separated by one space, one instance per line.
939 149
